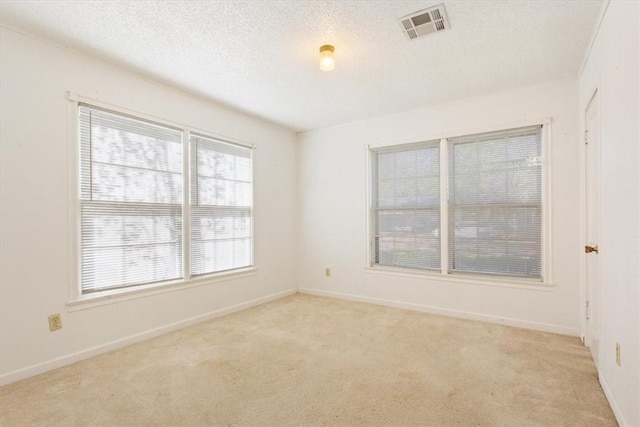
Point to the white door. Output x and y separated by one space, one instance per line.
592 140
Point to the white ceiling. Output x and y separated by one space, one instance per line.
262 56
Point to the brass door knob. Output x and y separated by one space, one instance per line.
588 249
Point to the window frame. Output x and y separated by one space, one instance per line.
77 300
544 283
195 193
375 174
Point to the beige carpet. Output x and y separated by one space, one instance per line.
307 360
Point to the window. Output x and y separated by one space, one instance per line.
133 216
492 213
220 206
406 206
495 203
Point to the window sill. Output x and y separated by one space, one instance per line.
98 299
526 284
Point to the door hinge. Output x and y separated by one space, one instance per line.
587 309
586 139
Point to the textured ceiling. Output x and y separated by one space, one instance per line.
262 56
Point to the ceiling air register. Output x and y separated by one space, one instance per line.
425 22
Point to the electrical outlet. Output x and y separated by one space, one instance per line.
55 322
327 272
618 357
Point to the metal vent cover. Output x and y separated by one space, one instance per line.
424 22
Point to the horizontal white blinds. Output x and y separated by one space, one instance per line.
221 206
406 205
131 201
495 203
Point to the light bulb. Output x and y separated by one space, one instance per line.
327 61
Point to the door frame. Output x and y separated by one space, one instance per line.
596 92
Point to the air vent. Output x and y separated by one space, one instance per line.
425 22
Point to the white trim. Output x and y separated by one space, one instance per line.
81 302
253 210
582 261
547 204
463 279
368 187
582 273
612 402
186 204
544 327
73 213
444 208
68 359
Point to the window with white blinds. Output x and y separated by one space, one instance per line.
491 216
132 215
406 205
221 194
495 203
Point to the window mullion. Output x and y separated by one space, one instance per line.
444 207
186 205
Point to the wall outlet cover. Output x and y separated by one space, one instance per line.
55 322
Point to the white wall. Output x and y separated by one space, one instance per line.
612 67
34 195
333 210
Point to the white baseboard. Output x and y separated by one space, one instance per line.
612 402
545 327
59 362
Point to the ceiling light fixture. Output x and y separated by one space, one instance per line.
327 61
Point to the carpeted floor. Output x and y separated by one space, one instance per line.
309 361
